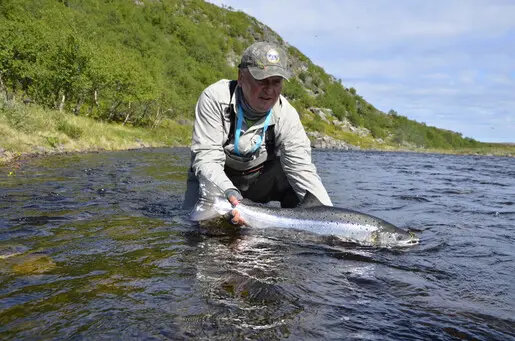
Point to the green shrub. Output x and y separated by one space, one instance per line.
71 130
53 141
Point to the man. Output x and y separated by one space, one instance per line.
249 141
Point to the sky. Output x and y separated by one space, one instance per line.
447 63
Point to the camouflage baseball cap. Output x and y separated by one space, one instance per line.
265 60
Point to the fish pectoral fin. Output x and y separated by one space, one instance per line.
310 200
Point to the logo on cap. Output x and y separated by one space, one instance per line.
272 56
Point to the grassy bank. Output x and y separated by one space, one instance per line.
29 130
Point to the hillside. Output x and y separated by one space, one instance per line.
144 63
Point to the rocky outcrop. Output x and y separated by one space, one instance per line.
321 141
327 116
324 114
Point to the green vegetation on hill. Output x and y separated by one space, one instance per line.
143 63
33 130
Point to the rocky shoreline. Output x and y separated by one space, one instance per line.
321 141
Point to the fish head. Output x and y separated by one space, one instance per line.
399 238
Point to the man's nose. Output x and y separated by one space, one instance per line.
268 88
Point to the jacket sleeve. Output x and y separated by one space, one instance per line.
296 160
208 157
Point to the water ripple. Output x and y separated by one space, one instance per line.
95 246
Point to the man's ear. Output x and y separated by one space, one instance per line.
240 77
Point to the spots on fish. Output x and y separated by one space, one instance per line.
352 225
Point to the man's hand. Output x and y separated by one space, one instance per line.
234 197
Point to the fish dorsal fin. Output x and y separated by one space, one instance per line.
310 200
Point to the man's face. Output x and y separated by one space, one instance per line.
261 95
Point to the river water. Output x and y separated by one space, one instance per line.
95 246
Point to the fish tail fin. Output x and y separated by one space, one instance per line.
205 208
208 189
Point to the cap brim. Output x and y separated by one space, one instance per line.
268 71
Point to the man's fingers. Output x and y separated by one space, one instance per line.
236 218
233 195
233 200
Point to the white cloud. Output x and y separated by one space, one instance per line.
446 63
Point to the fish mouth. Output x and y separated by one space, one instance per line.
413 240
395 240
410 242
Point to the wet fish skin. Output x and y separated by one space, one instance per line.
310 216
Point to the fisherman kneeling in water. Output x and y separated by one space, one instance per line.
249 141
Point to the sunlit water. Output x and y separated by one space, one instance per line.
95 246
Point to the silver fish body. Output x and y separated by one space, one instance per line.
310 216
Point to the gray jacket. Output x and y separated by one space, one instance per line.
211 151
